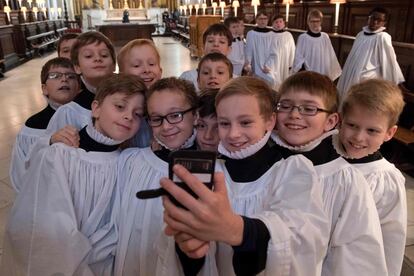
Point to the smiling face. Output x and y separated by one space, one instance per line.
142 61
216 43
61 90
164 102
119 116
213 74
362 132
95 63
297 129
242 126
207 133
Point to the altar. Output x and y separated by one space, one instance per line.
135 15
121 33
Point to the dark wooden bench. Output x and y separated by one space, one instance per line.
181 32
42 41
61 31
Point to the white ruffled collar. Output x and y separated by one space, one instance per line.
188 143
304 148
99 137
52 104
246 152
367 30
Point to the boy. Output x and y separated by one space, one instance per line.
314 51
213 71
140 57
306 115
238 45
207 128
285 50
65 44
372 55
60 85
266 212
260 53
60 217
369 115
93 57
217 38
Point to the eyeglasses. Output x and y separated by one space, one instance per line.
304 109
376 18
59 75
172 118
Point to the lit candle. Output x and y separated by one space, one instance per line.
235 5
214 5
190 9
7 11
44 12
222 6
196 6
30 3
204 6
255 3
20 3
35 10
24 10
52 12
59 12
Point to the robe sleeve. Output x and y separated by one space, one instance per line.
249 258
295 219
389 194
42 231
299 55
390 70
249 48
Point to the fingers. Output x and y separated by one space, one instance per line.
199 252
176 217
67 135
178 193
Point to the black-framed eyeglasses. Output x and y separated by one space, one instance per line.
172 118
376 18
59 75
303 109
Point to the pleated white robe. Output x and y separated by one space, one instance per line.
371 56
61 214
284 45
287 198
388 188
237 56
259 53
191 76
317 54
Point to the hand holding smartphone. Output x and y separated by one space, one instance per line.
200 163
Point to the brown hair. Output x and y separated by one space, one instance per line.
314 13
55 62
120 83
277 16
135 43
376 95
64 37
250 86
184 87
218 29
206 107
261 12
216 57
88 38
231 20
314 84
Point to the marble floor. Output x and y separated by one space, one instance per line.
20 97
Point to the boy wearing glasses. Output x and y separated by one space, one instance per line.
314 51
306 118
60 85
372 55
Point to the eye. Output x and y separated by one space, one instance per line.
373 131
119 106
245 123
155 120
200 126
223 124
350 125
309 108
138 115
174 116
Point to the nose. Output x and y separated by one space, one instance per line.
128 115
166 125
294 112
234 132
98 58
358 135
208 134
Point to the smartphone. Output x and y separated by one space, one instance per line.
199 163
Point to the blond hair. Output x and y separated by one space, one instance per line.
135 43
315 14
250 86
376 95
315 84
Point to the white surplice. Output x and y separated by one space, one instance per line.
61 213
355 246
191 76
317 55
237 56
372 56
284 45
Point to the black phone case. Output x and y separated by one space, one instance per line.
197 162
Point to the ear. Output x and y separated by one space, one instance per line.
95 109
44 90
271 122
331 121
77 69
390 133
